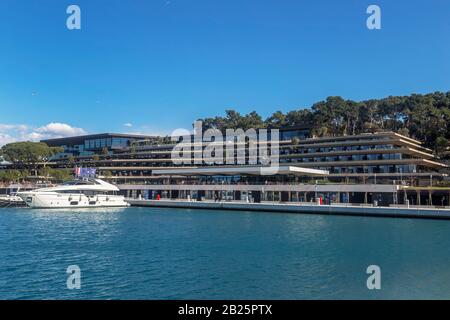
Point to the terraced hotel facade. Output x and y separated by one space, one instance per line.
380 168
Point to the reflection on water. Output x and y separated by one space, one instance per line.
150 253
83 214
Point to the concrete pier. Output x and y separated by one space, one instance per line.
308 208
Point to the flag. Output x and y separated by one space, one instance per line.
85 172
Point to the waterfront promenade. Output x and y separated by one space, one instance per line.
307 208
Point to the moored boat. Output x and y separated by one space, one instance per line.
11 201
79 193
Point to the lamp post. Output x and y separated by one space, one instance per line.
315 192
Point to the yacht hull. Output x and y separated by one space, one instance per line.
54 200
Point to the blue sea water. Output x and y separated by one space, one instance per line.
152 253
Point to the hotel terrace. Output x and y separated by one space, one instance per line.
381 168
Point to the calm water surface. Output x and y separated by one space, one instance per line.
150 253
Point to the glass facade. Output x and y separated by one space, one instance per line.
91 145
300 134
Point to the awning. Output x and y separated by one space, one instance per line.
255 170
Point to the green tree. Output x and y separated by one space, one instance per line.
107 173
105 151
441 145
10 175
276 120
404 132
61 175
28 154
71 160
299 117
58 175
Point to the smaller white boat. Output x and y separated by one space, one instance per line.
79 193
11 201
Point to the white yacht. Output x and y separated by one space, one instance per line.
80 193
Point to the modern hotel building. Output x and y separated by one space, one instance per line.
380 168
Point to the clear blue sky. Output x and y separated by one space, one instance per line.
160 64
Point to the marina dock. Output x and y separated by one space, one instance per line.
305 208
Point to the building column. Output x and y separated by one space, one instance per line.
430 197
365 197
418 197
338 197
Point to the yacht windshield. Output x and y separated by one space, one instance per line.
79 182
